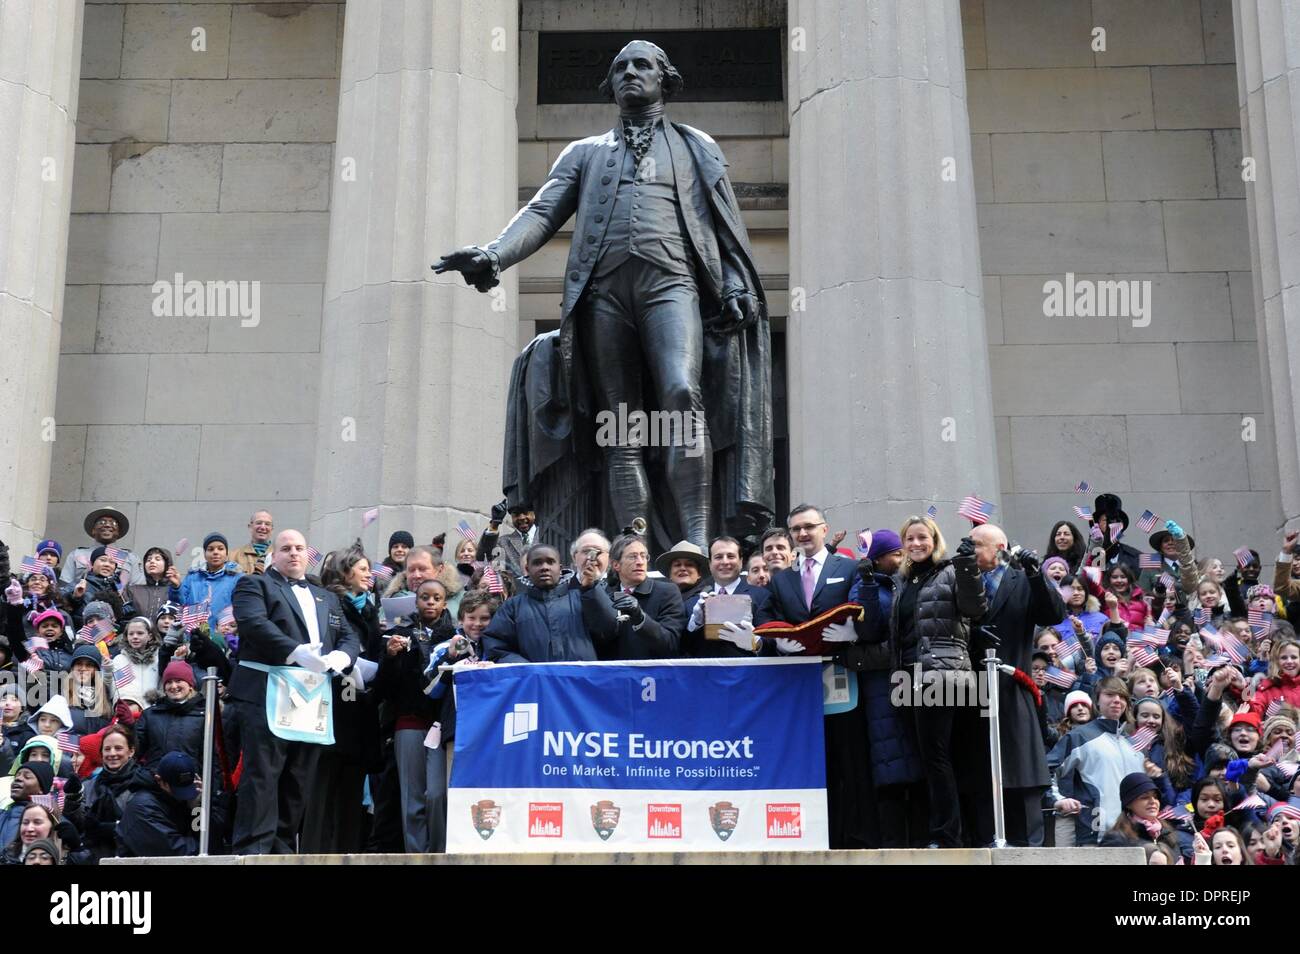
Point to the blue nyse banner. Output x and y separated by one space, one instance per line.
668 755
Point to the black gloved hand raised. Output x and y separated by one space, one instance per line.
499 511
965 550
626 603
1028 562
865 569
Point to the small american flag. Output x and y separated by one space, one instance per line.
1168 812
51 801
1273 709
33 664
864 542
194 615
1250 801
1083 513
31 565
91 632
369 517
381 573
1154 636
1081 487
1149 561
932 511
313 556
1116 531
1218 659
975 510
227 616
1141 653
119 555
1061 678
1142 738
1169 694
182 545
1068 647
37 642
1167 581
123 677
1244 556
1095 533
1200 616
1093 573
1277 750
1237 651
493 580
1147 521
465 530
1261 621
66 743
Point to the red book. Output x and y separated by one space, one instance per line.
809 633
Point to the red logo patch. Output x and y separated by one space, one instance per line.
784 820
663 821
545 819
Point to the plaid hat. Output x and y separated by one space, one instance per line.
45 546
177 769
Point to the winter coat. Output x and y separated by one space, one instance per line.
168 726
107 797
154 824
1088 764
146 597
438 685
144 677
401 680
562 624
200 585
356 722
662 623
949 597
1286 688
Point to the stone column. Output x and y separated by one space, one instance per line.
414 366
890 406
1268 91
40 66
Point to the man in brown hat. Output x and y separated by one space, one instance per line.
105 526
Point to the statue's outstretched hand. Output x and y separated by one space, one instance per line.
741 312
473 264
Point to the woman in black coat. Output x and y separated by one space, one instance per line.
929 626
111 788
336 825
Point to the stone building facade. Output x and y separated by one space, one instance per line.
931 167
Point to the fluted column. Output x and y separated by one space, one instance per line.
414 366
40 66
1268 90
890 406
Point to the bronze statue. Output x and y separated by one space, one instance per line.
662 365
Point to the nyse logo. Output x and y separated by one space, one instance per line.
784 821
520 722
664 821
545 819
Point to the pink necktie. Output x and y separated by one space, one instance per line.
809 580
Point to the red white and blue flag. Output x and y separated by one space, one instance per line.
1081 487
1149 561
66 743
932 511
194 615
1244 556
1083 513
31 565
1068 647
369 517
1061 678
492 580
1147 521
119 555
1141 653
313 556
975 510
465 530
123 677
1261 621
1142 738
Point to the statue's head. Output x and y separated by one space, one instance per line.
640 75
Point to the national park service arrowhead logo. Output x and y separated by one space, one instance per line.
486 815
604 818
724 817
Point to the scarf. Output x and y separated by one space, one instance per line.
145 655
1152 825
260 548
639 130
358 601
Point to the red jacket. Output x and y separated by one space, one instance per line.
1286 688
1133 612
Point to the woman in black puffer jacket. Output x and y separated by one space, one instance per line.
111 788
934 601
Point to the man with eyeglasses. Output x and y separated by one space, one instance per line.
817 581
650 614
105 526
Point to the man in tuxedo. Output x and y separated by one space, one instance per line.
724 567
1020 601
283 621
818 581
654 619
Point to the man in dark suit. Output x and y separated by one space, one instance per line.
818 581
651 617
725 568
1021 600
283 621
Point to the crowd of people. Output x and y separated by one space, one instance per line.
1148 696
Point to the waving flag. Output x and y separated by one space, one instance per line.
1200 616
194 615
66 743
1250 801
975 510
1116 531
381 573
182 545
1095 533
1168 812
94 631
123 677
1061 678
932 511
1154 636
1081 487
1261 621
1142 738
119 555
1146 522
1167 581
493 580
864 542
1244 556
1083 513
1237 651
1273 709
51 801
33 664
30 565
369 517
1141 653
1068 647
466 531
1149 561
1168 694
227 615
313 556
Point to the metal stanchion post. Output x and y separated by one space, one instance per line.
991 664
209 722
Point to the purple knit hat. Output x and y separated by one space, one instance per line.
882 542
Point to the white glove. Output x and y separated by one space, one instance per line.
14 593
840 633
738 634
789 647
308 657
337 660
697 614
